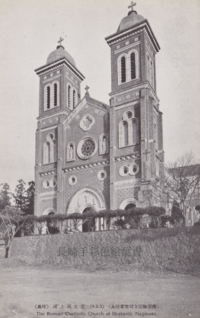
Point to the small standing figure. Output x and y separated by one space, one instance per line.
104 145
70 152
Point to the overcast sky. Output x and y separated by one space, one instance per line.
30 30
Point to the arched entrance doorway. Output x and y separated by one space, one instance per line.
130 206
88 225
85 200
49 227
127 204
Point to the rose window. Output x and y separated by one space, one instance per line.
88 147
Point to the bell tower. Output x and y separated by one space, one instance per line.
59 94
136 140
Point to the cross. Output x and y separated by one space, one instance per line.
132 5
86 88
146 153
60 40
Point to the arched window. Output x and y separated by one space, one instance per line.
46 153
128 129
125 126
69 96
133 69
48 96
55 90
51 95
49 149
128 67
123 69
134 131
74 98
123 134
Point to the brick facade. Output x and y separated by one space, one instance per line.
89 154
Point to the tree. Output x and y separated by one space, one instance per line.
24 198
176 214
19 195
11 221
30 192
180 182
4 196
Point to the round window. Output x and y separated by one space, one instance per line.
101 175
52 183
46 184
72 180
86 148
133 169
124 171
129 114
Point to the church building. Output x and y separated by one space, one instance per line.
92 154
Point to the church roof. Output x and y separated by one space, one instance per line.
186 171
95 102
58 54
130 20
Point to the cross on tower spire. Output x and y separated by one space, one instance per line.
132 5
60 40
86 89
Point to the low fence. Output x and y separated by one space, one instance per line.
176 249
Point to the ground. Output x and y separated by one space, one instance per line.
24 288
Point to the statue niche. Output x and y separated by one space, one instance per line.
103 144
70 151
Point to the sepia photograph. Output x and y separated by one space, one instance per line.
100 158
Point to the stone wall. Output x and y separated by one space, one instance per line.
173 249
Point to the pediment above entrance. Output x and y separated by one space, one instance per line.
87 103
86 197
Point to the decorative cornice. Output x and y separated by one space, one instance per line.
155 110
122 37
87 166
126 47
140 86
126 183
47 194
48 128
46 116
150 41
49 197
43 69
47 173
51 78
45 72
138 28
127 104
127 157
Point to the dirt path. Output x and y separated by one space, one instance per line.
24 289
